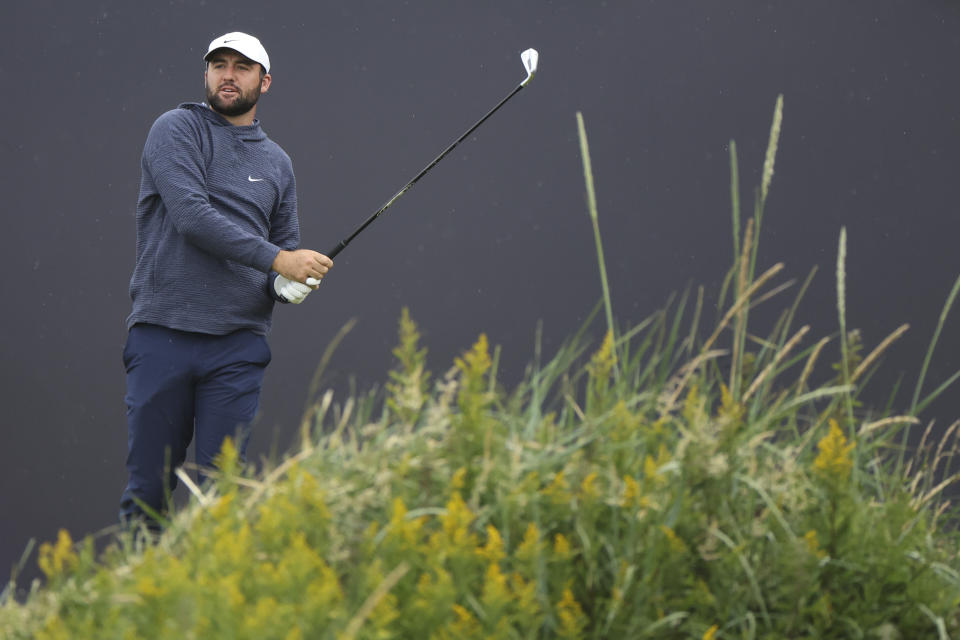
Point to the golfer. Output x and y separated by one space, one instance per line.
217 238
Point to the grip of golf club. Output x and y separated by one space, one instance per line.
337 249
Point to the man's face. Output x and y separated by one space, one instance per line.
233 82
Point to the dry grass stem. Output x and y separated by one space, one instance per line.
744 299
877 351
741 317
781 354
192 486
886 422
374 599
947 436
772 293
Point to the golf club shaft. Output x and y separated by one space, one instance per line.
343 243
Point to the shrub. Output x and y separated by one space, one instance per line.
654 486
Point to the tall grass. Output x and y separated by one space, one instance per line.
652 484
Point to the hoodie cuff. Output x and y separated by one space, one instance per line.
272 290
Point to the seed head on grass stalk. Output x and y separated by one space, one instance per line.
771 149
745 259
842 313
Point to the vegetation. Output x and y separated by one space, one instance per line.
654 485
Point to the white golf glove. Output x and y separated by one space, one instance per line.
290 290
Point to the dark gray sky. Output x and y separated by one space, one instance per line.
496 237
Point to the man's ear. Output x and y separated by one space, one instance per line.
265 82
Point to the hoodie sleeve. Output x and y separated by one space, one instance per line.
284 224
174 159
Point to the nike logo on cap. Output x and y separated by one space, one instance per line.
252 179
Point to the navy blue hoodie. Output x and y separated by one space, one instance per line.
217 203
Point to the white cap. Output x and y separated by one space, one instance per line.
241 43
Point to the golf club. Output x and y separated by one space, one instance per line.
529 58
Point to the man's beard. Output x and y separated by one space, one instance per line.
244 102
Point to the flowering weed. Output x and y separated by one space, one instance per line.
649 488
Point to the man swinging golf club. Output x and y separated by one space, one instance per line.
217 238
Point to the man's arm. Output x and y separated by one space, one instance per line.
293 265
173 157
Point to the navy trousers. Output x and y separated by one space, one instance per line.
180 383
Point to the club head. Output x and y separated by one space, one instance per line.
530 57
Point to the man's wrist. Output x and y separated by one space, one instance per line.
277 260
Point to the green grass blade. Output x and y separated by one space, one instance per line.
933 344
592 207
934 394
735 198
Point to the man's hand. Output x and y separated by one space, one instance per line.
302 264
290 290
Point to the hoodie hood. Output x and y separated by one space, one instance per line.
246 132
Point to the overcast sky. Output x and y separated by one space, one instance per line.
496 238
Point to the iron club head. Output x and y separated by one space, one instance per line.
530 57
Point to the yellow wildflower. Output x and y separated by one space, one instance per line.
402 527
493 550
54 559
834 461
462 614
524 595
676 543
459 476
464 626
233 547
458 514
589 485
649 467
230 587
631 492
558 490
530 546
54 629
260 616
324 592
496 593
693 412
477 361
570 615
221 508
399 512
228 458
561 546
603 361
148 588
624 423
813 543
456 520
710 633
729 408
